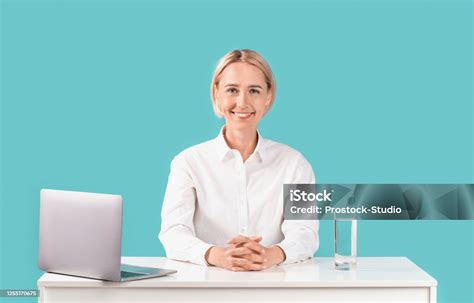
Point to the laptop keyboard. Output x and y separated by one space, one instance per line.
128 274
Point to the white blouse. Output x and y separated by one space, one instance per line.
213 196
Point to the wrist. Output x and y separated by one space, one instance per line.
278 254
213 255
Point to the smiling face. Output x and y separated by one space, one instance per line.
242 96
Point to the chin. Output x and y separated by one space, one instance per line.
240 125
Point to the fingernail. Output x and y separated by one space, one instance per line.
264 260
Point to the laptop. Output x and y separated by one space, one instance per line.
80 234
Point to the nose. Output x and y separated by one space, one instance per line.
241 100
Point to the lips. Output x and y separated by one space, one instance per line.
243 115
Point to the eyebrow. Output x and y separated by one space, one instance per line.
250 86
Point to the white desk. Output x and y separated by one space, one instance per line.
387 279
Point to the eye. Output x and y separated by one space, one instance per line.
232 90
254 91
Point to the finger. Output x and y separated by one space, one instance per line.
238 261
256 266
237 268
238 251
237 245
256 238
243 239
255 258
239 239
255 247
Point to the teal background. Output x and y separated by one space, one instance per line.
99 95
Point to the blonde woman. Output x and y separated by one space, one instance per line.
224 200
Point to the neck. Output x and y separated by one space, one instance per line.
245 140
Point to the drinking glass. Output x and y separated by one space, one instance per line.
345 242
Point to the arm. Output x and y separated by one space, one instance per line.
301 236
301 240
177 227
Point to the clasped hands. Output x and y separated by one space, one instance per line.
245 254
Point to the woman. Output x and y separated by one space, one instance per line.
224 200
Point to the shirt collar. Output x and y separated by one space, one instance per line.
224 152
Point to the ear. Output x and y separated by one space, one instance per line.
216 96
269 100
217 103
217 107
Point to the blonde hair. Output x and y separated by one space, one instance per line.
246 56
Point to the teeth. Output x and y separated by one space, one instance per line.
243 115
